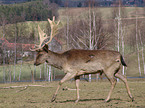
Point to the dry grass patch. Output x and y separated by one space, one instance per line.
92 95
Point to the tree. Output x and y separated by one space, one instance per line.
87 32
29 11
3 22
142 52
137 45
119 25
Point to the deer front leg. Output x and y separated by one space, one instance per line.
54 96
111 78
77 87
113 83
65 78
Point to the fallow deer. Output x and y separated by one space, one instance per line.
78 62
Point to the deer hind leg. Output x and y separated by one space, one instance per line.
113 81
123 78
77 78
101 77
65 78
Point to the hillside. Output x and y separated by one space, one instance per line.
106 12
106 15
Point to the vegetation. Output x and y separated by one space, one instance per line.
92 95
29 11
26 31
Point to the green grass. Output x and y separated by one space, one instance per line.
92 95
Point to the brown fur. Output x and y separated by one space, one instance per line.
80 62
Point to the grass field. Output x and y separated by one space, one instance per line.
92 95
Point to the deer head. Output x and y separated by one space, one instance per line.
42 48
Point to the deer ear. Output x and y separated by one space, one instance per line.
45 48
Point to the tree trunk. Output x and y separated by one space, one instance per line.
90 39
118 32
67 32
21 65
118 39
4 53
15 50
137 47
32 76
142 45
10 74
4 76
40 71
20 70
122 37
50 74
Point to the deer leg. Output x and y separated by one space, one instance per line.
65 78
77 78
123 78
101 76
113 81
54 96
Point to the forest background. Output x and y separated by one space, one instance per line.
86 25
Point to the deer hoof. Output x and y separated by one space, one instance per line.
132 99
107 100
77 101
53 98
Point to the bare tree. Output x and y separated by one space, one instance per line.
141 34
15 50
137 45
87 32
40 72
122 39
142 52
50 69
67 30
119 14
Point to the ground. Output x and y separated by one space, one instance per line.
92 95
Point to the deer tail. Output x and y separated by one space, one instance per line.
123 62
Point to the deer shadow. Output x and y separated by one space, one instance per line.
85 100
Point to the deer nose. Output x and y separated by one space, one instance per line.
35 63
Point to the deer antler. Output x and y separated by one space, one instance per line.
43 36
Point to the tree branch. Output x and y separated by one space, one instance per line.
24 87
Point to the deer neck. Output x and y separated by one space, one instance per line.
55 59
